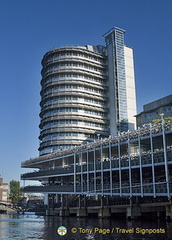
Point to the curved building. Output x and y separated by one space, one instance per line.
87 93
74 97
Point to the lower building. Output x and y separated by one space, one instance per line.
3 191
132 165
155 110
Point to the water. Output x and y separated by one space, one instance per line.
30 226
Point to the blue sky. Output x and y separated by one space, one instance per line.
29 28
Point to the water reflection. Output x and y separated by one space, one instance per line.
27 226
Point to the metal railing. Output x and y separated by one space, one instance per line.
122 137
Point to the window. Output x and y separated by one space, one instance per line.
169 109
149 115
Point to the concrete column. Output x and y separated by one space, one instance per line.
133 212
101 202
168 209
64 212
79 199
81 212
45 198
158 215
85 201
62 200
104 212
53 201
107 200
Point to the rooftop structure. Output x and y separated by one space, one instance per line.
153 110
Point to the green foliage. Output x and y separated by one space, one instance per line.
168 118
159 120
15 191
156 120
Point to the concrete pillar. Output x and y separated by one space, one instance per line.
133 212
101 202
85 201
53 201
104 212
107 200
158 215
50 212
45 198
81 212
168 209
79 199
64 212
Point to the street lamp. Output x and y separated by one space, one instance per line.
162 117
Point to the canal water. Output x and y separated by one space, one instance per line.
31 226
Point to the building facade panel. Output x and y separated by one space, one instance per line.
130 87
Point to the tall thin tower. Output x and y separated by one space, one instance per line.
122 100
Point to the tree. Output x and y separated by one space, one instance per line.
15 192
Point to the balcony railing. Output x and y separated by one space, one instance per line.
143 132
49 188
146 159
148 189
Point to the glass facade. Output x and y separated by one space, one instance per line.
115 51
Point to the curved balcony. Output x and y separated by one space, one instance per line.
72 85
68 140
77 72
48 82
77 104
93 93
63 141
81 102
56 117
85 69
68 137
73 128
74 62
54 58
73 115
75 52
75 110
